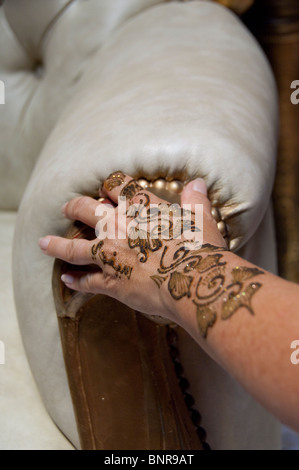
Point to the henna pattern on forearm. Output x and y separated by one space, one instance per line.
203 276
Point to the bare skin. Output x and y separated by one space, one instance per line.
242 316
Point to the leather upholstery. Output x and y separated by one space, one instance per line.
176 90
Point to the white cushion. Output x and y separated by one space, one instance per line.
25 423
46 47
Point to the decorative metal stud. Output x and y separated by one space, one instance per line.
233 244
216 214
175 186
222 228
159 183
143 183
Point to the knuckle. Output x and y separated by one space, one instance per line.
87 283
71 251
109 282
77 206
108 249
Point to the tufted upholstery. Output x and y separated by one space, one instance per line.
155 88
39 79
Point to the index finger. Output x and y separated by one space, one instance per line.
73 251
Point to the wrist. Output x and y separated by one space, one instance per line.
207 286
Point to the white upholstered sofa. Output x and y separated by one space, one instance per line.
161 90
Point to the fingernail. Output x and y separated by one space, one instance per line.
67 279
63 208
200 186
44 243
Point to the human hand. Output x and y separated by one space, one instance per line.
131 263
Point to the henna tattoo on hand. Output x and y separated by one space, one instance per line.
144 242
156 224
97 251
206 318
130 189
115 179
240 299
179 285
158 279
202 276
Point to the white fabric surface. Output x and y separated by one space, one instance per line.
45 48
24 422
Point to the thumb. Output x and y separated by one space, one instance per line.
196 192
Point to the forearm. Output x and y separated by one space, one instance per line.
246 319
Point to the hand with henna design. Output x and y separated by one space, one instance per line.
244 317
125 266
